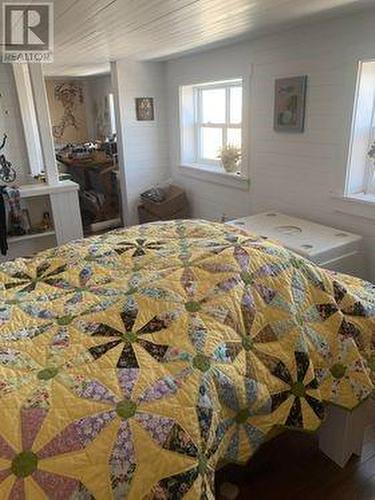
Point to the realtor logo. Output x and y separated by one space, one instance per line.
27 32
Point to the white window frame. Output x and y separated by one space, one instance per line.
29 118
360 167
369 181
358 196
112 113
199 123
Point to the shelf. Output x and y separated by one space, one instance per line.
42 189
30 236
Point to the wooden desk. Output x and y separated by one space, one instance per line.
95 176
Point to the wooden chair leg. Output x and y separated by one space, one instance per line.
341 435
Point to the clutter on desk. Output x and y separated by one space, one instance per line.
93 166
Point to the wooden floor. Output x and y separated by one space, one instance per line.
291 467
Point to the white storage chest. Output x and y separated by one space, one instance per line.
328 247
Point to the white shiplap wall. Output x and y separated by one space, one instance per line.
293 173
11 124
145 142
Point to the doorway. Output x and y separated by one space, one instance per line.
83 118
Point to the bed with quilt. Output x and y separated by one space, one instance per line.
134 364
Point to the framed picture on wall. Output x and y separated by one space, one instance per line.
290 100
144 108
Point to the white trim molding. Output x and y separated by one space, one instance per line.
29 120
360 168
44 122
191 122
207 173
359 205
118 97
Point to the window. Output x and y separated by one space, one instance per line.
211 117
370 171
360 180
112 116
29 119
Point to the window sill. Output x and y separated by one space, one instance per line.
214 174
359 205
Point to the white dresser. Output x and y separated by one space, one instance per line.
328 247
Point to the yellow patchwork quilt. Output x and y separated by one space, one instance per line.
134 363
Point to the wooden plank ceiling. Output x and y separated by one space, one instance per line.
90 33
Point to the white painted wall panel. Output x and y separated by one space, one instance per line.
145 143
293 173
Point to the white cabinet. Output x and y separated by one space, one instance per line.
59 198
65 215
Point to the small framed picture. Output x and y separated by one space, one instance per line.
290 99
144 108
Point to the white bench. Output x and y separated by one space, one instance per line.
325 246
341 434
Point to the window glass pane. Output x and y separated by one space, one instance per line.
211 142
371 187
236 105
234 137
213 106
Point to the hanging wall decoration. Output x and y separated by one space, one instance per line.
144 107
290 96
7 172
68 111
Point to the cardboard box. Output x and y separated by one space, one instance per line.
145 216
175 201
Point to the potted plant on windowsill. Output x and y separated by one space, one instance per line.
230 157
